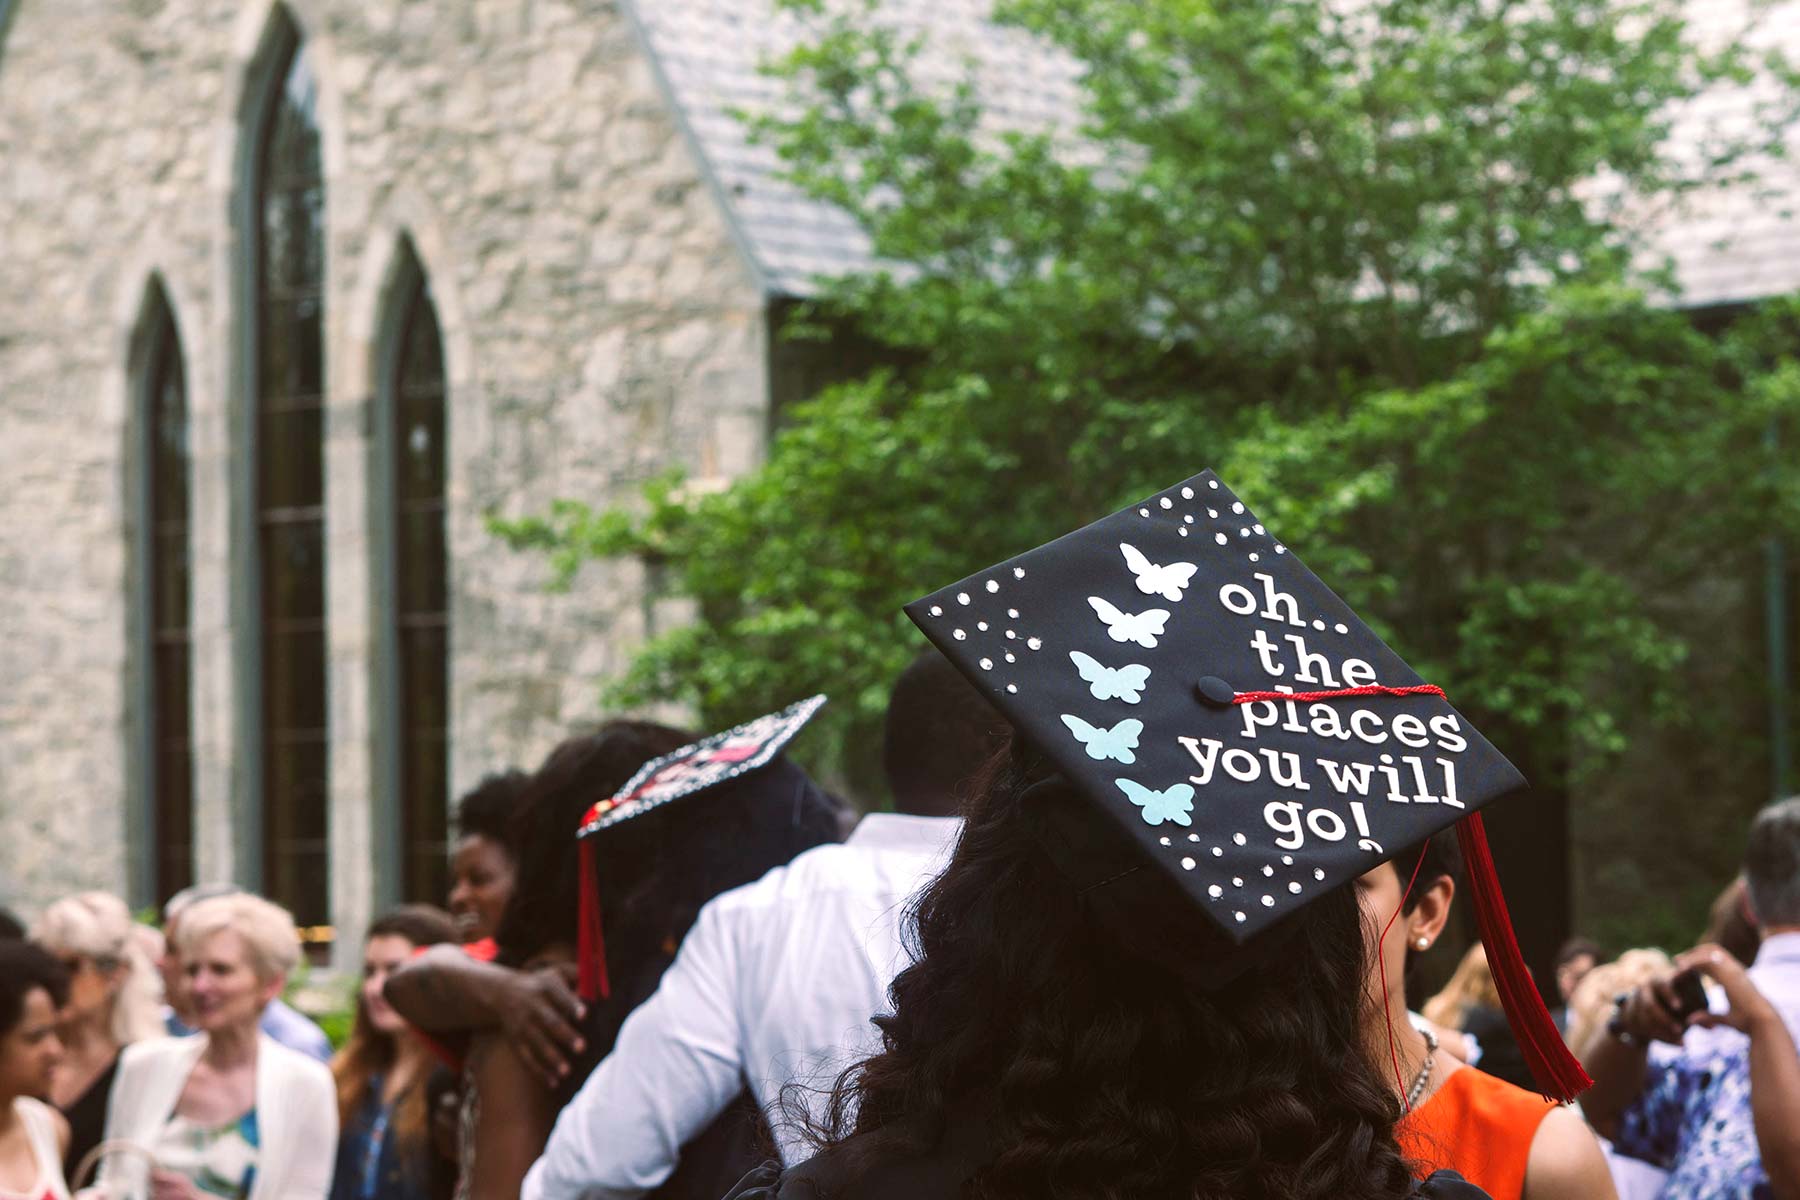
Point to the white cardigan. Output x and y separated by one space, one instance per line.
296 1115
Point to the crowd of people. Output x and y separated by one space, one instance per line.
979 993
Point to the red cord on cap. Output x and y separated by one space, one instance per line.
591 980
1372 689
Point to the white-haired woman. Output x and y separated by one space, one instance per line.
112 1003
228 1112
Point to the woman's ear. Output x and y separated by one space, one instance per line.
1428 917
273 988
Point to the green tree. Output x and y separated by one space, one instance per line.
1379 263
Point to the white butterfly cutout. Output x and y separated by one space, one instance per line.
1171 804
1115 743
1153 580
1106 683
1143 628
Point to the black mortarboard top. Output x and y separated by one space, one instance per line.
693 769
1136 653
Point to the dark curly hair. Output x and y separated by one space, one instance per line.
1098 1044
23 966
491 809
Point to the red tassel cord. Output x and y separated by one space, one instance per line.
1559 1076
1387 1008
1372 689
591 980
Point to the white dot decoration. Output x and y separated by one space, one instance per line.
1182 530
1163 840
1013 613
1254 556
1193 837
1187 519
1034 643
1018 572
1239 838
992 587
1240 916
1166 502
962 597
1220 538
1319 874
1237 507
1218 852
1341 627
1011 636
1245 532
959 635
1281 549
987 664
1268 902
936 611
1212 483
1187 864
1143 512
1287 860
1294 888
1237 881
1013 688
1213 513
1215 891
1009 657
1319 625
1187 493
1259 530
1268 871
981 625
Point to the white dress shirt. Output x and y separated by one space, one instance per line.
776 982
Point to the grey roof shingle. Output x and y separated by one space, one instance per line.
1729 245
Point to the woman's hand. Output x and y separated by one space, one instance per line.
1750 1009
169 1185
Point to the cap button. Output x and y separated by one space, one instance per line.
1215 691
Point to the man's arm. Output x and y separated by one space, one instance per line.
677 1064
514 1118
444 991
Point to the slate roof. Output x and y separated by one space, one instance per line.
1729 246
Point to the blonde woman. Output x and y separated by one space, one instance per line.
112 1003
229 1112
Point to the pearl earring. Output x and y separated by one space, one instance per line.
1423 943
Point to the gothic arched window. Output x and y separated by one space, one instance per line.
287 212
418 610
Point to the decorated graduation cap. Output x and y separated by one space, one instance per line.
1217 702
702 767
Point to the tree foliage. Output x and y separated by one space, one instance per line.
1380 263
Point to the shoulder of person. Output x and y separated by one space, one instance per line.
152 1053
1566 1160
295 1065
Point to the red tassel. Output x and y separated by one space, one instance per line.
591 954
1559 1076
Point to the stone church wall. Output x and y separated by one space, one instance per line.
599 325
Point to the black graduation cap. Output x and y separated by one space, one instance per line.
699 767
1188 674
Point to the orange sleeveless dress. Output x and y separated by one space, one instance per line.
1478 1125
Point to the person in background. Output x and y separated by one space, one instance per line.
779 980
484 864
111 1004
10 927
383 1148
1574 959
281 1021
33 1135
1730 925
1470 1004
1681 1097
654 874
230 1112
1591 1005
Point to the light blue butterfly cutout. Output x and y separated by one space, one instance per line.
1125 683
1168 581
1115 743
1143 628
1170 804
